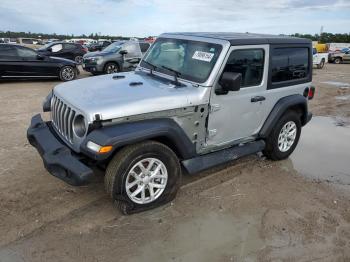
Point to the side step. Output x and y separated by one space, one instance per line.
200 163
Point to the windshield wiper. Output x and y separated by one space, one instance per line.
153 67
176 74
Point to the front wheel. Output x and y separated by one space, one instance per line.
68 73
143 176
321 64
337 60
284 137
111 68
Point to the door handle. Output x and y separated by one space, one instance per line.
257 99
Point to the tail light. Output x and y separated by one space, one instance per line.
311 93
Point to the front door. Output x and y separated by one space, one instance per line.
133 57
33 65
238 115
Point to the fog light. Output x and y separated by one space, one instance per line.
97 148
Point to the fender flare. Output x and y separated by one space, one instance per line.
282 105
123 134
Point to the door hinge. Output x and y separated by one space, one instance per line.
212 133
214 107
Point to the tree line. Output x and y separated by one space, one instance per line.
10 34
326 37
323 38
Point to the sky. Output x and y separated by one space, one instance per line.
153 17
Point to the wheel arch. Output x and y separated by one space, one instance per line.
297 103
165 131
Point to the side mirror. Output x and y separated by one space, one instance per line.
230 81
49 49
123 52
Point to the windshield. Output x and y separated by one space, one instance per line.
115 47
193 60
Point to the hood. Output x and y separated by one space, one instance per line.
114 98
97 53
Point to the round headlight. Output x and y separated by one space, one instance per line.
79 127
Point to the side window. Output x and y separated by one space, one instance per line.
56 48
27 41
133 50
248 62
289 64
69 46
144 47
26 53
7 52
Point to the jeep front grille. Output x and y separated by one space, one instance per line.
62 117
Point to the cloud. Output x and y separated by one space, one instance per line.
152 17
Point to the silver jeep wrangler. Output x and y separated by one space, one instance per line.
196 100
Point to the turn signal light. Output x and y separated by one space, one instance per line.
97 148
105 149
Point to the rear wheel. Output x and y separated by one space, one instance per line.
284 137
78 59
143 176
111 68
68 73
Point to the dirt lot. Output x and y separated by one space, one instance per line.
250 210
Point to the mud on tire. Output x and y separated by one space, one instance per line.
124 161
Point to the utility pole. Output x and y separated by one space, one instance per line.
321 32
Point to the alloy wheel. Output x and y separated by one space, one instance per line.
146 180
287 136
68 73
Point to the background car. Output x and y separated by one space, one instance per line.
118 56
72 51
22 62
29 42
98 46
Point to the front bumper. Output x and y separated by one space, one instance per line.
58 158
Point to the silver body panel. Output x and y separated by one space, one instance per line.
232 118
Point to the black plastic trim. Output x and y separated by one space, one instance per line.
47 103
206 161
129 133
280 108
58 158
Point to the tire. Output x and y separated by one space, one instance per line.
119 179
275 150
338 60
67 73
78 59
111 68
321 65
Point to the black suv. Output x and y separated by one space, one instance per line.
22 62
100 45
70 51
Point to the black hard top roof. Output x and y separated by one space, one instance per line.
248 38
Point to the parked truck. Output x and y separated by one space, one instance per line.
319 59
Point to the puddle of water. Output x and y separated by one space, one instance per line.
218 232
343 98
337 84
323 152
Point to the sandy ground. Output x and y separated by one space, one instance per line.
249 210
